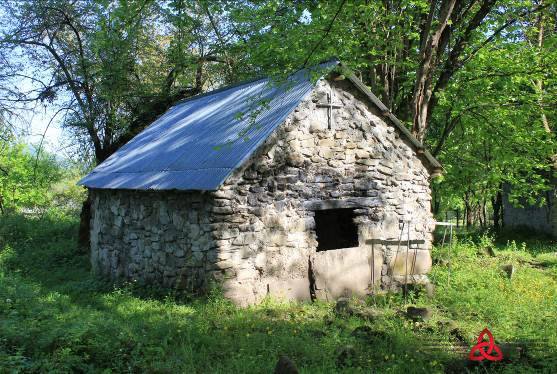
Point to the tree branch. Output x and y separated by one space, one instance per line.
327 31
71 82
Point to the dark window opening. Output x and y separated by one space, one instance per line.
335 229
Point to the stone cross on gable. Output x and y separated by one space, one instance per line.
330 106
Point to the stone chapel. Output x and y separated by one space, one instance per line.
297 189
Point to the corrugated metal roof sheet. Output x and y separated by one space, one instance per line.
199 142
196 144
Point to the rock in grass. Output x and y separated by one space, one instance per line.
486 251
536 264
328 321
342 307
346 356
285 366
418 314
509 270
362 332
458 335
345 307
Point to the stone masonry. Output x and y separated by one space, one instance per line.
255 236
539 218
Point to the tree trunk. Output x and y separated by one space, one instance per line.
436 206
428 55
497 203
469 217
435 201
469 211
538 83
84 234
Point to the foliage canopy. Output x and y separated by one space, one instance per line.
474 79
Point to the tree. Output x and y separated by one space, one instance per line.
499 138
406 51
109 68
25 179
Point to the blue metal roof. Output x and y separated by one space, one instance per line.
199 142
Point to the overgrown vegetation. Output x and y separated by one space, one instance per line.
35 182
54 316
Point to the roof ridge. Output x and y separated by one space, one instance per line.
220 89
252 80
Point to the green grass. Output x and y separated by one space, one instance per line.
55 317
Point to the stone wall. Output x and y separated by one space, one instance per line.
361 162
163 238
542 219
256 234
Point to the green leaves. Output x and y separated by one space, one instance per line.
499 137
131 60
25 180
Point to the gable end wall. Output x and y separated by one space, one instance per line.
361 163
